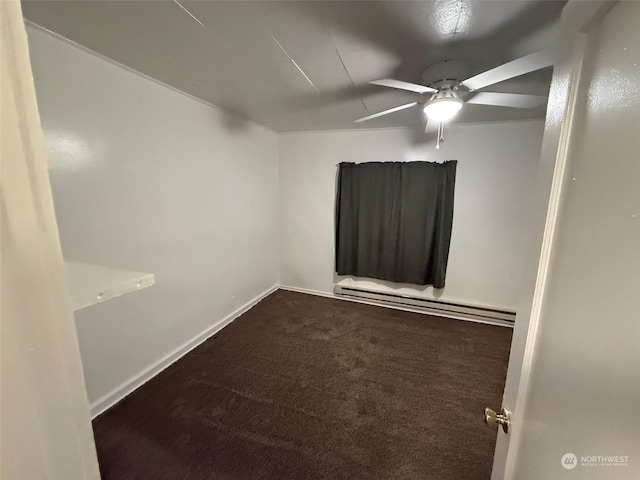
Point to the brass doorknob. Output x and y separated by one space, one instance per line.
503 418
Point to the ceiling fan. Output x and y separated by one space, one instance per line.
448 95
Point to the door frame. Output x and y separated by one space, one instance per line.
45 423
571 41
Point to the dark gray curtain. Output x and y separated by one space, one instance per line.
393 220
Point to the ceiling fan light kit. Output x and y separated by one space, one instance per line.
443 107
449 95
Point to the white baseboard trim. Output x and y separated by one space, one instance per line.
395 307
124 389
114 396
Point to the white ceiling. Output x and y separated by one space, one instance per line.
304 65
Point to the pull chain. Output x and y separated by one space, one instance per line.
440 135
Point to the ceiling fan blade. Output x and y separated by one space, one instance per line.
386 112
412 87
515 100
529 63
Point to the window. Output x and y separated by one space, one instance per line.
394 219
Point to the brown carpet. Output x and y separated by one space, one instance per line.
305 387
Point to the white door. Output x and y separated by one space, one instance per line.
45 426
573 384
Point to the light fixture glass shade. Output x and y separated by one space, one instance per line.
442 110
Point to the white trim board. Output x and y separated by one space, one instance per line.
114 396
394 307
91 284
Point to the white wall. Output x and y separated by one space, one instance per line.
496 171
149 179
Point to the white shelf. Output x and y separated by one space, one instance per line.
91 284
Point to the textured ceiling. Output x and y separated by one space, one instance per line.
304 65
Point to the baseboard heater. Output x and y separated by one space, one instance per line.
437 307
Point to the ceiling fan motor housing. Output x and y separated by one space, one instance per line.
446 73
